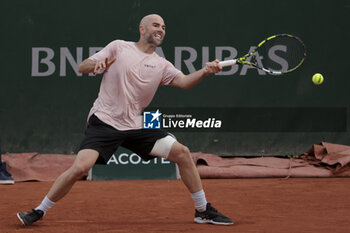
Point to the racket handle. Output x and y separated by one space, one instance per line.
227 63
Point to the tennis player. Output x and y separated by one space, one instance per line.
132 74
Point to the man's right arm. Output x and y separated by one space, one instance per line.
90 66
87 66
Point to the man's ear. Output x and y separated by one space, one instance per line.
142 30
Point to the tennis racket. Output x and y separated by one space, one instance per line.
276 55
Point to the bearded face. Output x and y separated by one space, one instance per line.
153 30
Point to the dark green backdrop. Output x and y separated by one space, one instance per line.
47 114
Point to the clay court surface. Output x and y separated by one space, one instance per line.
295 205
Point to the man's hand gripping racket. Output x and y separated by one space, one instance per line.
278 54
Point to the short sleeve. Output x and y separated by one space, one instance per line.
169 73
109 51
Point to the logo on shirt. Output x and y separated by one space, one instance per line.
151 120
149 66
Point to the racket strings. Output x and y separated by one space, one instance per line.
281 53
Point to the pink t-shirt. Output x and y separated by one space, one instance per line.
129 84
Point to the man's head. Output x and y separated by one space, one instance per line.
152 29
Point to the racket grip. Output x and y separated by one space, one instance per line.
228 63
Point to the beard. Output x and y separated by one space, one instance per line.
153 41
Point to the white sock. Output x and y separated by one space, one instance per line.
200 203
45 205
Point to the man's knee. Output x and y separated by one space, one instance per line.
83 162
77 171
185 151
181 154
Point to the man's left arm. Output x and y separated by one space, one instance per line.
192 79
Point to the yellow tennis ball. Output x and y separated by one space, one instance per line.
317 79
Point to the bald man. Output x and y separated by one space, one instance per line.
132 73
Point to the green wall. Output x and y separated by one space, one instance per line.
47 112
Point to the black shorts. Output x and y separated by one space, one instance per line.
105 139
